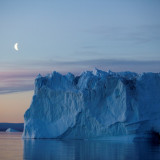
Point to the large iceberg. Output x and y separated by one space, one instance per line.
94 105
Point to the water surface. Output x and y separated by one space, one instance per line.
12 147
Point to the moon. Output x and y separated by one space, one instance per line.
16 46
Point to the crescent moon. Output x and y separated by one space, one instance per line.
16 46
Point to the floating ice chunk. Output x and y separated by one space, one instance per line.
11 130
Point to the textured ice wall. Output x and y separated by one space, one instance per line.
95 104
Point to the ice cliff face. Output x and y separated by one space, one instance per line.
95 104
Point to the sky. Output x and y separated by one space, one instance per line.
13 106
73 36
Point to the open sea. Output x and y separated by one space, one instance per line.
13 147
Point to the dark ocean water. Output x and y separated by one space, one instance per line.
13 147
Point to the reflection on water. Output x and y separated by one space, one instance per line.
13 147
78 149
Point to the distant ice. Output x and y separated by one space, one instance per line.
11 130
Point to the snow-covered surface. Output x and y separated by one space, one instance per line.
94 105
11 130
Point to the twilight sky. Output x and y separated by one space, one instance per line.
74 36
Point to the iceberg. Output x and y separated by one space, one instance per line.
94 105
11 130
